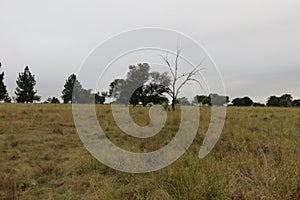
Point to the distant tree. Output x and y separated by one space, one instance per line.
83 96
54 100
285 100
218 100
207 101
182 101
296 102
273 101
238 102
25 87
258 104
37 98
100 99
211 99
3 92
69 87
74 92
201 99
246 101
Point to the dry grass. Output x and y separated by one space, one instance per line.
257 157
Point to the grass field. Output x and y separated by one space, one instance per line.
42 157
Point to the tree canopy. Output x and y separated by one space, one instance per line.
245 101
140 86
285 100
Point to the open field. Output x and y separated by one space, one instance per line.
42 157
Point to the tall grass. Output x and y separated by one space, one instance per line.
257 157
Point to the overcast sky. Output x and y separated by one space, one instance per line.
255 43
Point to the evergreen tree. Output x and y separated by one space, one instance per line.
67 93
25 87
3 92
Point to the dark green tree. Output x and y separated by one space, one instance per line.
25 92
286 100
246 101
258 104
54 100
296 102
3 91
153 92
201 99
273 101
67 93
238 102
100 99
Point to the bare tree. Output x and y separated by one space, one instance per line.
179 80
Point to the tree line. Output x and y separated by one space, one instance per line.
141 86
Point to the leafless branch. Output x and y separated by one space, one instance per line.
168 63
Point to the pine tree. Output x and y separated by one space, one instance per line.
3 92
25 87
67 93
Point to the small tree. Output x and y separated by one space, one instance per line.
53 100
68 88
3 92
25 87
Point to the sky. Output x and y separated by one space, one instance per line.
254 43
